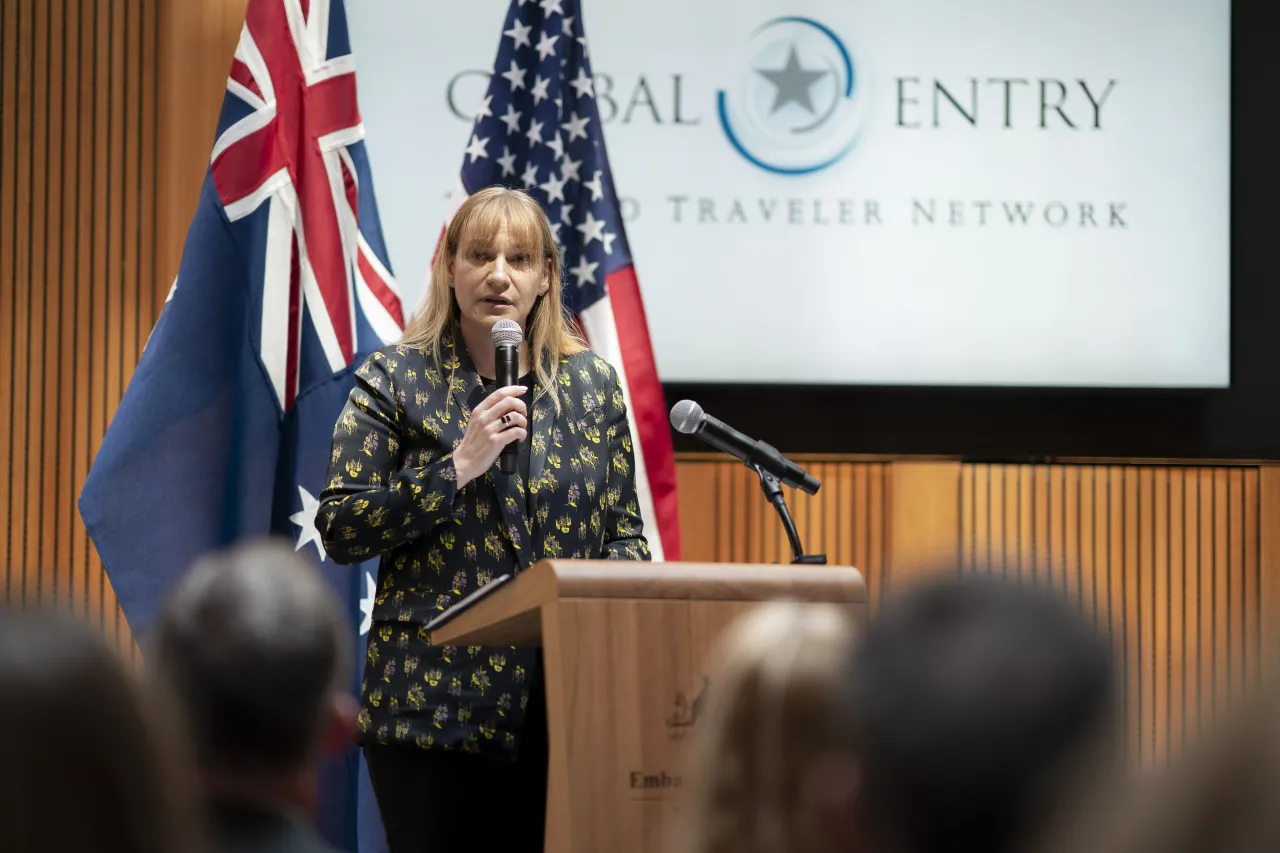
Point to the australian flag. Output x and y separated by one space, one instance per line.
284 287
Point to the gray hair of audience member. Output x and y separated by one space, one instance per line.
253 646
85 763
978 705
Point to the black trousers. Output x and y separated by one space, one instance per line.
432 801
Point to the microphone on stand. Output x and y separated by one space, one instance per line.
507 336
687 417
772 467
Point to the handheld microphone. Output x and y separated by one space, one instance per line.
506 336
687 417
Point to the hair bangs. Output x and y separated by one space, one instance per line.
485 220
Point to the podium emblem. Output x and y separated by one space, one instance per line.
686 711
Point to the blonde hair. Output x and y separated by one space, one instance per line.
775 712
549 334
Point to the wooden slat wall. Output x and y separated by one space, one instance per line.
1164 559
724 516
1176 563
77 263
197 41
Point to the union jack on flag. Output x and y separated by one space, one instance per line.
283 289
291 140
538 128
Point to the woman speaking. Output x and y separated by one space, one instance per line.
455 738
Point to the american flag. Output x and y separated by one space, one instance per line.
538 128
283 289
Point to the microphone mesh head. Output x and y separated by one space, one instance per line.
685 416
506 333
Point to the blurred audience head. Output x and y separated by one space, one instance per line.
770 766
1218 796
83 766
979 709
253 647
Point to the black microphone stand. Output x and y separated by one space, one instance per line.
773 491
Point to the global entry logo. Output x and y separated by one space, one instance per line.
798 105
794 98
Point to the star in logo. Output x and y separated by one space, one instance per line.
797 109
305 518
366 603
792 82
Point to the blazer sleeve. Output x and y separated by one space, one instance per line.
370 505
624 527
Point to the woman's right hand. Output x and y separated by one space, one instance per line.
487 434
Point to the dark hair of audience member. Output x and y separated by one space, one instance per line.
979 705
253 647
84 764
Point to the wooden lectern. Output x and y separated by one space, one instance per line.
624 647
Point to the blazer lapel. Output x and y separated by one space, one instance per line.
516 525
540 431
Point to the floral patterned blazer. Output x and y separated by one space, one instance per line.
391 491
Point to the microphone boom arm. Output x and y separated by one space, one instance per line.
773 491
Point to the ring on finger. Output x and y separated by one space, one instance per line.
506 419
